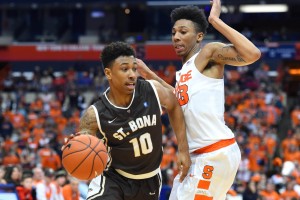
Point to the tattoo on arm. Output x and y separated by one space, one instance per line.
238 58
225 49
88 123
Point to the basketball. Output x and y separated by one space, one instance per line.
84 157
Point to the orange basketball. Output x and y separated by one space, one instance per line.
84 157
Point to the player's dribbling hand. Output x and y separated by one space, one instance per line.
67 139
183 162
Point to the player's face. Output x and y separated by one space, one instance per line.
123 74
185 39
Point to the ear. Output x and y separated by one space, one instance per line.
107 72
200 36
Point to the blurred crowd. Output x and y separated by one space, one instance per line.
32 131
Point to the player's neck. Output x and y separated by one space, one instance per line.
120 100
192 52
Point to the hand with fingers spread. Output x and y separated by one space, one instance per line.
215 10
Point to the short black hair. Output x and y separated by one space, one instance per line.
115 50
192 13
26 175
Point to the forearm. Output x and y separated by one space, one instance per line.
242 45
154 76
178 124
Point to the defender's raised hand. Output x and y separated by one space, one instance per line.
215 10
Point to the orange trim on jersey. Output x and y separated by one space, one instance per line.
215 146
203 184
202 197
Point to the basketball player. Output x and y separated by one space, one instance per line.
200 91
127 118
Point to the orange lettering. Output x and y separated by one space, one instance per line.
182 95
207 172
185 77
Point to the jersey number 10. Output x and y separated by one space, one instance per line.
142 144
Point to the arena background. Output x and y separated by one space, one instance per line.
61 35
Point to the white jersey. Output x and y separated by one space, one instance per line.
202 101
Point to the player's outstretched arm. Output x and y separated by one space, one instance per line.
147 74
169 101
240 52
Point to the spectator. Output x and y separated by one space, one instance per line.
58 183
45 188
59 82
38 175
46 81
84 81
46 98
289 192
295 115
270 192
170 73
71 190
8 83
52 161
17 119
6 129
25 190
12 158
13 175
251 191
73 97
28 157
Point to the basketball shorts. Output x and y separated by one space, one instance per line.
113 186
210 176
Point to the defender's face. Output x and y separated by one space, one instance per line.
184 37
123 74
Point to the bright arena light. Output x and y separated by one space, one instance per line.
264 8
177 3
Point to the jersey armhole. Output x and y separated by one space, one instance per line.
157 98
98 120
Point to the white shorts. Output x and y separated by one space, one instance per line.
210 176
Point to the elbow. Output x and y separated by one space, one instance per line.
255 55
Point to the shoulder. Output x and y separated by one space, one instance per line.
99 104
144 85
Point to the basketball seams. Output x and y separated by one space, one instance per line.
74 140
92 150
87 146
75 152
93 164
